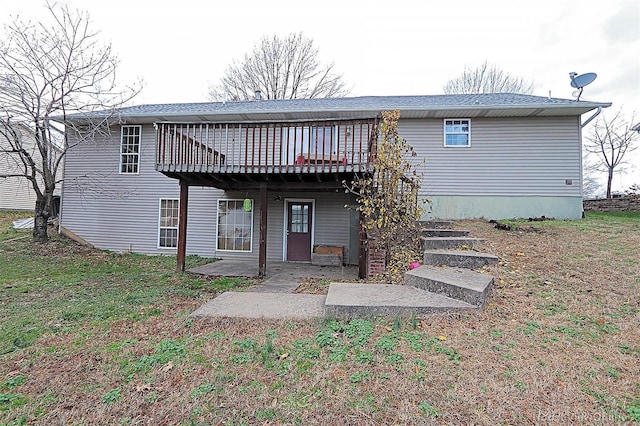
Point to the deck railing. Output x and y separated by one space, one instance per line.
287 147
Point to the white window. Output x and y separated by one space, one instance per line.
130 149
457 132
168 224
235 225
313 142
323 140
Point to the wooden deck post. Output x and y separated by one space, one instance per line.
182 226
262 251
362 249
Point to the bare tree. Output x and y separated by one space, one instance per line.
280 68
633 191
591 187
49 70
611 139
487 78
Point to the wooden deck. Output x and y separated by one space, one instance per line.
233 154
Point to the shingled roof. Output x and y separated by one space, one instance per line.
432 106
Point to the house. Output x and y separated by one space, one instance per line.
263 179
16 192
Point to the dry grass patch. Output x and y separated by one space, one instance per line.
557 344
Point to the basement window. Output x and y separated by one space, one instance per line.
235 225
168 224
457 132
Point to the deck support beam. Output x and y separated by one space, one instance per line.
182 227
262 251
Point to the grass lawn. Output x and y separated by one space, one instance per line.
90 337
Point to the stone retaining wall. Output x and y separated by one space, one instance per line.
623 204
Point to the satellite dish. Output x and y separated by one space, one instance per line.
580 81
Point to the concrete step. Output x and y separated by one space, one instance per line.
448 243
352 300
435 224
458 258
439 232
462 284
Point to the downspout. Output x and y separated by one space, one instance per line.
62 184
597 113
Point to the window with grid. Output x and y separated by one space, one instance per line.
235 225
457 132
130 149
168 225
300 218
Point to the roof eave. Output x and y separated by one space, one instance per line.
470 111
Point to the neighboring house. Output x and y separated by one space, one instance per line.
263 179
17 193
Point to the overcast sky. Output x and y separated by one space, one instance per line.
387 47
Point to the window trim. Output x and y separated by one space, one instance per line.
122 154
445 133
253 205
160 227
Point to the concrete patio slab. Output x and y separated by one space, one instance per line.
282 277
263 305
228 268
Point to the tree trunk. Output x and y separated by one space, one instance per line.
41 216
609 179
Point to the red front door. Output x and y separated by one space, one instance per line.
299 231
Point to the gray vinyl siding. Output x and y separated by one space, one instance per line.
331 221
121 211
16 193
507 157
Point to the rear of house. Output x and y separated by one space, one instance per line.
264 179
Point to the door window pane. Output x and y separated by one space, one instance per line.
300 218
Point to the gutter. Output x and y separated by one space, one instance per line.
268 107
595 114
